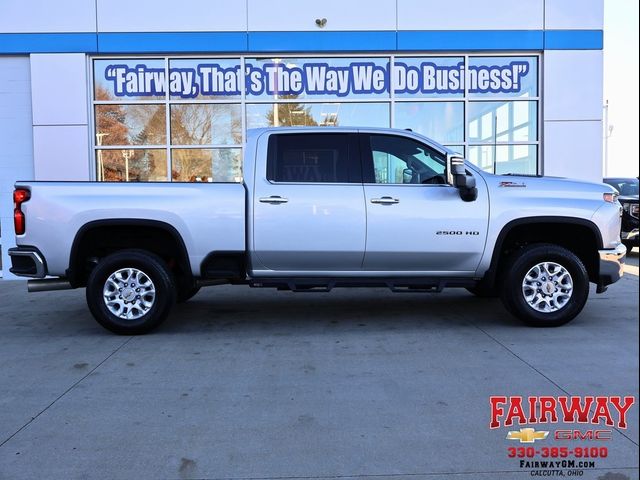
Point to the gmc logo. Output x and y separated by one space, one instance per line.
583 435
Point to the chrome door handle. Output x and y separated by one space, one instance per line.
385 200
274 199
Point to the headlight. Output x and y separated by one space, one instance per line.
610 197
630 208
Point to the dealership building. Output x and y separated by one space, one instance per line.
97 90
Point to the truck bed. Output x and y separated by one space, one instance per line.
208 216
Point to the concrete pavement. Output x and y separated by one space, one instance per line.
251 383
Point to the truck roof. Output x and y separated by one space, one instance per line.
396 131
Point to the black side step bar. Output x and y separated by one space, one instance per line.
321 285
419 289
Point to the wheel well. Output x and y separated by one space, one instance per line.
582 239
99 239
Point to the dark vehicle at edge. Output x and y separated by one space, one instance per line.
628 189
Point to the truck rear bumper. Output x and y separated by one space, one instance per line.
27 262
611 266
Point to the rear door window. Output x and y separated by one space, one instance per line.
313 158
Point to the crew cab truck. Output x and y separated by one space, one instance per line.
322 208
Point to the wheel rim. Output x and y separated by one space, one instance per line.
129 293
547 287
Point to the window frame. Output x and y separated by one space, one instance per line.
354 164
368 169
93 147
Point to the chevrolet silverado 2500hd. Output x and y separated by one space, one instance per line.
322 208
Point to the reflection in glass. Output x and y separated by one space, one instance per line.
491 122
132 165
206 165
133 124
440 121
503 159
206 124
457 148
129 80
318 114
503 76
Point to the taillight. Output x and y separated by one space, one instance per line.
20 195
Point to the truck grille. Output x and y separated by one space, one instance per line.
633 210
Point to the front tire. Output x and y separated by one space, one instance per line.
545 285
130 292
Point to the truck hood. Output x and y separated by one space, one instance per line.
568 187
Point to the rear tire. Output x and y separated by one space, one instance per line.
545 285
130 292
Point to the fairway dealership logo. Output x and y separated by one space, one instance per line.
582 442
505 411
316 78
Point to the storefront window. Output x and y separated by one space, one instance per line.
185 119
129 80
515 77
501 159
321 78
206 124
499 122
206 79
132 165
133 124
318 115
206 165
428 77
440 121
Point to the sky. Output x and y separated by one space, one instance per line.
621 84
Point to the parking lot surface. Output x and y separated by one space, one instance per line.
252 383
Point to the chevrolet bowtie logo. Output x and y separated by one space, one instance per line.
527 435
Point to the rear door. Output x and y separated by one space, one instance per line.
415 220
309 211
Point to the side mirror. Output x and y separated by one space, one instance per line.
466 184
407 175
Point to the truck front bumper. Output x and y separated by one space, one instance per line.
27 262
611 266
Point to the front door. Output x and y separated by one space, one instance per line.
416 222
309 211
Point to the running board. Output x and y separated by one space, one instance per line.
418 289
404 285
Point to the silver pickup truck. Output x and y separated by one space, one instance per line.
322 208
